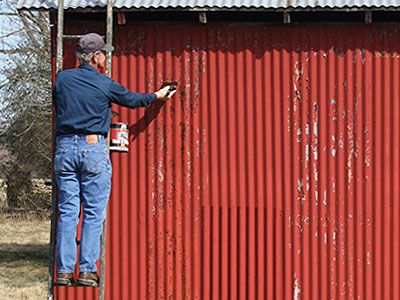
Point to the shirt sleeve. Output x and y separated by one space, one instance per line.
121 95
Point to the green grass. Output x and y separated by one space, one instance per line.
24 249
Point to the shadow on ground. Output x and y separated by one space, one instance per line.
22 265
34 253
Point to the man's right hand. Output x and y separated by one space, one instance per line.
163 95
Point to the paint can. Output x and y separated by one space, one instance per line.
119 137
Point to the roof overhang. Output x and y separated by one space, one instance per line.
216 5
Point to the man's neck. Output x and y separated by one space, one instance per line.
94 66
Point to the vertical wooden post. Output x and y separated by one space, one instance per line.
60 34
59 66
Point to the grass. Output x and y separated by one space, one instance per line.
24 249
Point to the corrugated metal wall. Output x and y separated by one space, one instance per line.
272 174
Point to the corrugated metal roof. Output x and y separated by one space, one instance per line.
262 4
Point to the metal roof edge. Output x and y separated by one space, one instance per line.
99 8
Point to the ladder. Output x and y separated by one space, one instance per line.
59 60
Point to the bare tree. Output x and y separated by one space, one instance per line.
25 102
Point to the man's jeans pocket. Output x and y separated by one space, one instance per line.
95 159
59 160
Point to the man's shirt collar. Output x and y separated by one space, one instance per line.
88 67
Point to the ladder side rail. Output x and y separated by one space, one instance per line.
109 39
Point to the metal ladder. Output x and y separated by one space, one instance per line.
60 39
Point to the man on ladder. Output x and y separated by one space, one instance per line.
82 166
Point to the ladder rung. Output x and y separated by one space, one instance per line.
75 36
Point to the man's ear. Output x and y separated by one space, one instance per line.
94 58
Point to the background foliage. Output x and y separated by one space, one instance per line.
25 102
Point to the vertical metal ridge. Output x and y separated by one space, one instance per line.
133 212
284 213
376 194
205 155
263 200
230 246
118 165
348 81
314 107
207 166
395 144
280 172
309 159
387 163
197 171
340 172
369 150
124 186
178 178
323 157
359 288
224 150
382 162
389 183
217 272
241 161
158 175
270 278
296 184
189 188
251 193
186 167
258 175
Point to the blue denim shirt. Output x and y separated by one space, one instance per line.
83 99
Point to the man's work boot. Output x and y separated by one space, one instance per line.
64 279
88 279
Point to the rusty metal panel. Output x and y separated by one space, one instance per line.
272 174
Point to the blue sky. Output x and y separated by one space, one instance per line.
9 25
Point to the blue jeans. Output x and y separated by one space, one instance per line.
83 172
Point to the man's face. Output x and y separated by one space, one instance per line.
99 58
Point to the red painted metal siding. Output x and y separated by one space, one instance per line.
272 174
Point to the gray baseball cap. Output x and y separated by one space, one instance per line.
92 42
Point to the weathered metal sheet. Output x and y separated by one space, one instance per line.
272 174
205 4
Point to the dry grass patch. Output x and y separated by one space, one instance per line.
24 249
